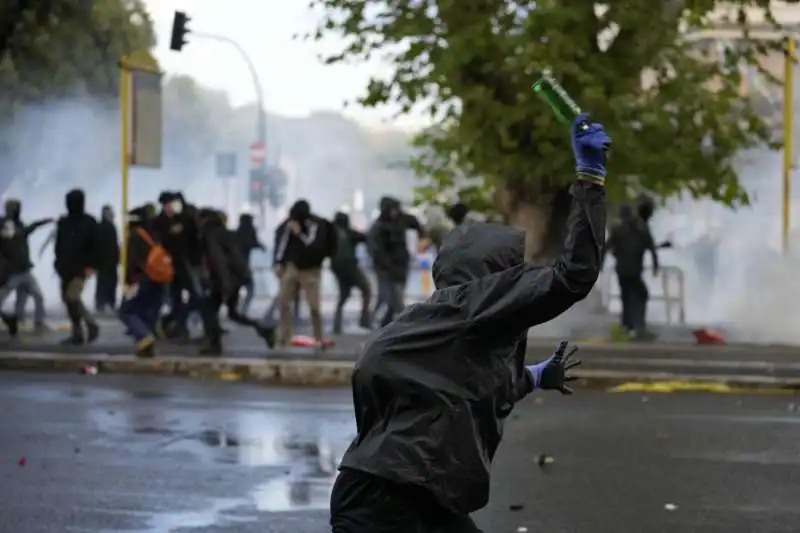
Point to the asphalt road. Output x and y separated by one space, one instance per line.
148 455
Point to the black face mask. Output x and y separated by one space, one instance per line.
13 214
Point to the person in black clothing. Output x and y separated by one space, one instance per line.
75 259
144 296
302 243
628 241
391 258
105 296
347 271
432 390
247 239
177 227
226 271
18 268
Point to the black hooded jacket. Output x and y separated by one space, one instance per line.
387 242
628 242
308 250
432 389
225 266
246 237
76 238
16 254
348 240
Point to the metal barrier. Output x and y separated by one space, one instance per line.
669 276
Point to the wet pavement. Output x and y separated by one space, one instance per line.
131 454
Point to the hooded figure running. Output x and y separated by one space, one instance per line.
433 388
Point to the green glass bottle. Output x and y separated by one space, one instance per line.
549 90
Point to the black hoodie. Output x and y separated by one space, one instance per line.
386 240
432 389
14 239
246 237
628 242
308 249
226 267
348 240
76 238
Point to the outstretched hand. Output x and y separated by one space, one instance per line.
552 373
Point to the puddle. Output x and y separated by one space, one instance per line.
210 516
293 494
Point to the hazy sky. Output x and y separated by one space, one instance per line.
294 81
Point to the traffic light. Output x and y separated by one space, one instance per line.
179 31
258 185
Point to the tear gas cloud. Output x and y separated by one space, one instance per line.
750 289
75 143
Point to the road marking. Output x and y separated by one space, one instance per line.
693 386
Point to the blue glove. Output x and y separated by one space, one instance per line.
551 374
589 145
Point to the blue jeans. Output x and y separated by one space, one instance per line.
140 312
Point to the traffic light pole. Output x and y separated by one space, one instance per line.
261 123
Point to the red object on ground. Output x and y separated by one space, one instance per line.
21 461
304 341
707 336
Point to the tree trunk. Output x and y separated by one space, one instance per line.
534 220
543 219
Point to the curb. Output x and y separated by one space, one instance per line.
326 373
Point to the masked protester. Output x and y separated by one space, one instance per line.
347 271
628 242
178 230
148 270
303 242
18 268
390 255
75 260
247 239
105 296
226 272
432 389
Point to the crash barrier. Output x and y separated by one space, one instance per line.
420 284
671 292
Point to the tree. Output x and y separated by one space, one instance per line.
53 47
470 64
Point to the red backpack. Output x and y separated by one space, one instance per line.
158 267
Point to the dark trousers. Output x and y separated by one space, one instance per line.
185 282
139 312
634 296
362 503
392 293
347 279
105 291
71 296
210 308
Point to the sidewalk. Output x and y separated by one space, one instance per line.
632 365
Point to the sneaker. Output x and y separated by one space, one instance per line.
92 332
12 323
146 348
268 334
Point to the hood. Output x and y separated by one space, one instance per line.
210 218
457 213
342 220
300 211
246 222
76 202
13 209
476 250
387 205
625 212
645 207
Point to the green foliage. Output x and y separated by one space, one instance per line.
54 48
470 64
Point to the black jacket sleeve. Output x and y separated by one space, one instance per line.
33 226
377 246
507 303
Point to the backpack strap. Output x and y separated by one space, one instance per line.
145 237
